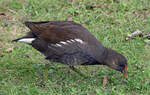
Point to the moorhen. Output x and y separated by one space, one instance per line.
71 44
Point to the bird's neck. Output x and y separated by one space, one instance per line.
107 54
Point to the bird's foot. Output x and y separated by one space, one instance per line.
41 84
44 77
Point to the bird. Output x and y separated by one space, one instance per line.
71 44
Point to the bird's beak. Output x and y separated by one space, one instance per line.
125 74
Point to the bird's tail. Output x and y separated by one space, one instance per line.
16 40
28 38
23 39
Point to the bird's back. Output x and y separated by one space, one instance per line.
66 42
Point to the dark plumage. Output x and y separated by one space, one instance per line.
70 43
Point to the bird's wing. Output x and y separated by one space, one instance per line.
53 31
66 39
71 52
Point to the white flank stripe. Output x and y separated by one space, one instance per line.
72 40
69 41
27 40
63 42
79 40
58 45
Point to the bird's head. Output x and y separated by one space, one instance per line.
116 61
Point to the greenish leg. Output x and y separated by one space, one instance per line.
78 71
86 67
45 75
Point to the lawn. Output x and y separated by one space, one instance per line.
21 66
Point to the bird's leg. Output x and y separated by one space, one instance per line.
45 75
46 72
86 67
77 71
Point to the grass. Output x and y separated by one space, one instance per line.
21 66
